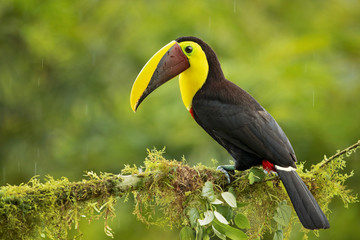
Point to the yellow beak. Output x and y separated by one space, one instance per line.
166 64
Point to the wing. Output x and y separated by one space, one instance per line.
241 125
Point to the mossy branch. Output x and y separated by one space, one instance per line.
348 151
39 210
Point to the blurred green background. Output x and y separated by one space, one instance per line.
67 67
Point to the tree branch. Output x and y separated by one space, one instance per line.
348 150
49 209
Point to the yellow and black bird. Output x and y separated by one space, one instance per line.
229 115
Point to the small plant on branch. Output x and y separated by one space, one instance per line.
170 193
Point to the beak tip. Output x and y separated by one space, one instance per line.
134 107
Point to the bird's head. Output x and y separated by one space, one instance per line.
187 57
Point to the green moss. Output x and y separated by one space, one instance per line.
175 188
171 186
36 210
164 191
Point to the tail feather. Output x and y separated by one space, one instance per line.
305 205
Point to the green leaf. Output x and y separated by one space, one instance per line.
216 202
199 232
256 175
226 211
283 214
229 199
230 232
186 233
205 237
278 235
208 191
193 216
251 178
220 217
208 217
218 233
241 221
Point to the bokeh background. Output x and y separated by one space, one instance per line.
67 67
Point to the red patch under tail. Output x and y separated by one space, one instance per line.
268 166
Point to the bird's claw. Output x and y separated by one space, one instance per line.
225 170
270 172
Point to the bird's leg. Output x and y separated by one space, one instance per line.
225 169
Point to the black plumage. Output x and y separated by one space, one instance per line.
250 134
305 205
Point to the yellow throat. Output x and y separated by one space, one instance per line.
193 78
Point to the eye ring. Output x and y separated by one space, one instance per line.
188 49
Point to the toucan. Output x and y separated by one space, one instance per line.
229 115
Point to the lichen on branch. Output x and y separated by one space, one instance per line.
164 192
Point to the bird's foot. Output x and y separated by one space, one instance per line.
225 169
270 172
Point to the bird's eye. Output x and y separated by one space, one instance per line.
188 49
